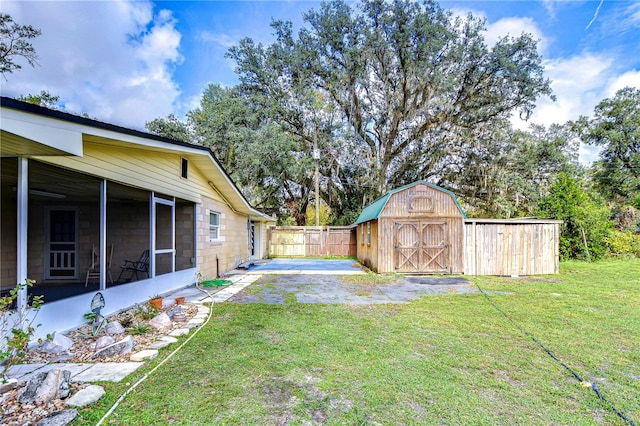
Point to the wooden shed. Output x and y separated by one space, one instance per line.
417 228
420 228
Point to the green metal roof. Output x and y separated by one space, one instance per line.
373 210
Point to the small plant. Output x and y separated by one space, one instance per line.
17 325
90 317
138 328
156 301
146 311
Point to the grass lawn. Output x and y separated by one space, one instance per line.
450 359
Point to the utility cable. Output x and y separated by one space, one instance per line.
143 378
582 381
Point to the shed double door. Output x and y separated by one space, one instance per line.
421 247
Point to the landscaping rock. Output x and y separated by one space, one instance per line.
160 321
124 346
179 317
54 386
86 396
64 356
11 384
177 310
114 328
58 344
28 393
59 418
103 342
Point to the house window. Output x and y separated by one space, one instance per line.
362 234
368 233
185 168
214 226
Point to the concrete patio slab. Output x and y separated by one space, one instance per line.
307 267
333 289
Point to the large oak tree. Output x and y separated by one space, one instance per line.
415 88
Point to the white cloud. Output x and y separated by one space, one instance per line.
628 79
223 40
112 60
515 26
577 83
631 18
511 26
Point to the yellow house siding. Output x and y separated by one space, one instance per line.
151 170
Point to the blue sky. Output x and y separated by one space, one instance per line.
127 62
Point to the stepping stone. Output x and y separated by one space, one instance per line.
179 332
45 368
162 342
169 339
22 371
191 325
107 371
144 354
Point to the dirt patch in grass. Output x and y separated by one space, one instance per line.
290 400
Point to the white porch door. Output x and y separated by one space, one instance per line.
61 248
163 232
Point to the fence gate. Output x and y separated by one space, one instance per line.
421 247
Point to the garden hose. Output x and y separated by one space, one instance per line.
583 382
143 378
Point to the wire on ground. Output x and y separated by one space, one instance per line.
143 378
583 382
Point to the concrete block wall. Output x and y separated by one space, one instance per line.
233 247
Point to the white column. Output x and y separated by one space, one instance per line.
103 234
152 235
22 195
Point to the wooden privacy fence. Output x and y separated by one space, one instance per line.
511 247
301 241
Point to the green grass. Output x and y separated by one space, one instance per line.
450 359
368 279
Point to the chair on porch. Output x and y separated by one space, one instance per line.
135 266
94 270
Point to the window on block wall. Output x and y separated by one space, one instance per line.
214 226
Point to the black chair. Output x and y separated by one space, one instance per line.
135 266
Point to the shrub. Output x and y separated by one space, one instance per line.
585 217
623 243
16 325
